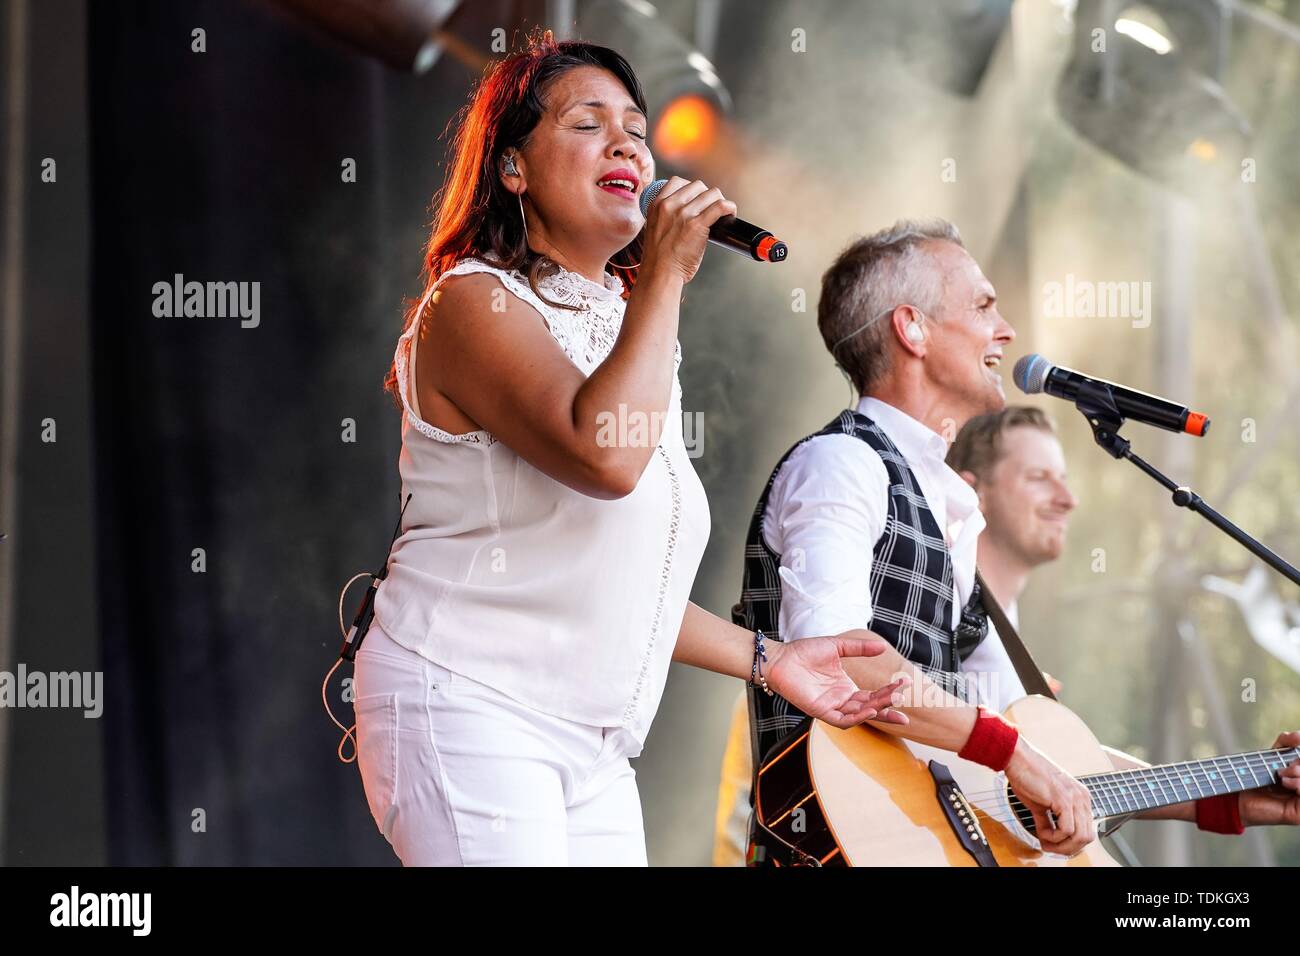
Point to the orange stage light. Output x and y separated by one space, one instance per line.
687 128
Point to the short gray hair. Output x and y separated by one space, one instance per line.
872 277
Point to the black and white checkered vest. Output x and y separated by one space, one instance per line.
911 583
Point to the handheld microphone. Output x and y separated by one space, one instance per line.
730 232
1034 374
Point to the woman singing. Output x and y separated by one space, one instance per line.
540 584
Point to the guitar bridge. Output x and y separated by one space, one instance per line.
961 815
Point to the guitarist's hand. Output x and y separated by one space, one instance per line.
1042 786
809 674
1278 804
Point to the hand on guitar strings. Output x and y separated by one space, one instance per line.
1064 821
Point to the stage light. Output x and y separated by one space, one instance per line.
402 33
1149 37
686 98
687 130
1151 95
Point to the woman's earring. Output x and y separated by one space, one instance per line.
511 169
522 217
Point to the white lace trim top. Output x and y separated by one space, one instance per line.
567 603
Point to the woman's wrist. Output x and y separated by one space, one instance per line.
655 275
713 643
654 308
765 653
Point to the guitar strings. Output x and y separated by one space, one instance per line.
1107 786
1197 770
1110 783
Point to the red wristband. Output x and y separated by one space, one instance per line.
991 742
1221 814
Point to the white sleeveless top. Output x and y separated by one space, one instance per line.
566 603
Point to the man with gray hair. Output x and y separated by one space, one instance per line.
862 525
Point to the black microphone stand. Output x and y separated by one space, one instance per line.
1097 404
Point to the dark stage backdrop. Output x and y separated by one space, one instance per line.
227 166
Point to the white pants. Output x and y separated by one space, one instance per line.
457 774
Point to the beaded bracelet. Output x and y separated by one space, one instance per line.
756 678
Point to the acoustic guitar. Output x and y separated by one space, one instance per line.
860 797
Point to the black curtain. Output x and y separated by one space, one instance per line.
226 166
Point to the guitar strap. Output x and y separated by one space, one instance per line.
1026 669
1035 683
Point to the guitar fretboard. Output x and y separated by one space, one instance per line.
1131 791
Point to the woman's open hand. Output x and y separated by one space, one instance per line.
809 673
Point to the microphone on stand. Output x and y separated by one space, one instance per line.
1034 374
1106 404
730 232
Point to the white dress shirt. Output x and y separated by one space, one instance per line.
828 507
999 684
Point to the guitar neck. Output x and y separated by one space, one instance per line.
1130 791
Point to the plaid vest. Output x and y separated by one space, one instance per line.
911 584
